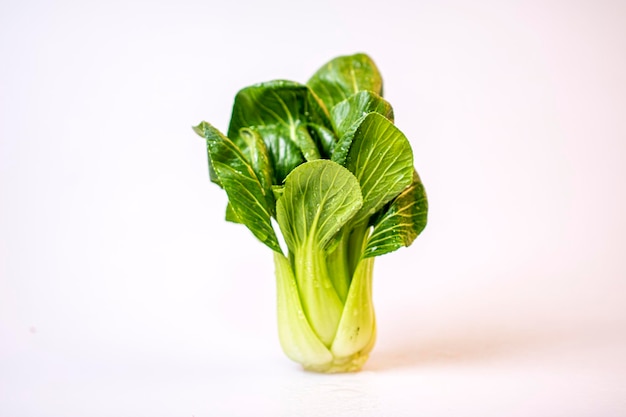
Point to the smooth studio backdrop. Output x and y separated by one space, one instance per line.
123 292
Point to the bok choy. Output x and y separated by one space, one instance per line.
325 161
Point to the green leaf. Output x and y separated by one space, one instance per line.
381 159
202 130
284 154
286 103
401 223
231 216
347 115
247 197
281 111
349 111
305 142
319 197
257 155
345 76
275 102
277 190
324 138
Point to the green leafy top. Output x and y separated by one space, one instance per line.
324 159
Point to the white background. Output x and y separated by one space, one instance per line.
124 293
